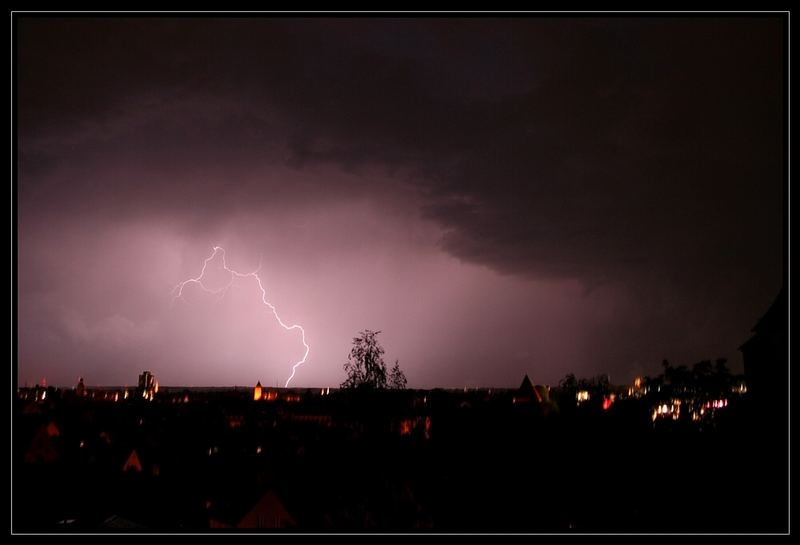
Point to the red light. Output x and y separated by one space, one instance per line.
606 403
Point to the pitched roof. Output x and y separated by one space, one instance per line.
268 512
776 314
526 388
132 462
249 508
774 319
117 522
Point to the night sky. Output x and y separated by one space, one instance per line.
497 196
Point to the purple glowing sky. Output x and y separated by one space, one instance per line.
499 197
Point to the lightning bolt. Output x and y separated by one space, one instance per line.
177 292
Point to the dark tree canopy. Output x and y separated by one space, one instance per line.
365 367
397 379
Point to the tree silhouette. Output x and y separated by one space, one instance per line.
365 367
397 379
569 382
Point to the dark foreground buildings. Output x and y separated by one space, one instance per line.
766 360
533 459
766 367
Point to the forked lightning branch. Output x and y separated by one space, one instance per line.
178 294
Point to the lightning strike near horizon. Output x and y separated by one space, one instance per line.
223 290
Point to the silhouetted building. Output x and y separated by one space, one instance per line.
766 368
268 512
80 389
132 463
766 358
148 385
526 392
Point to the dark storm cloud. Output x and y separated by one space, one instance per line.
641 156
559 147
